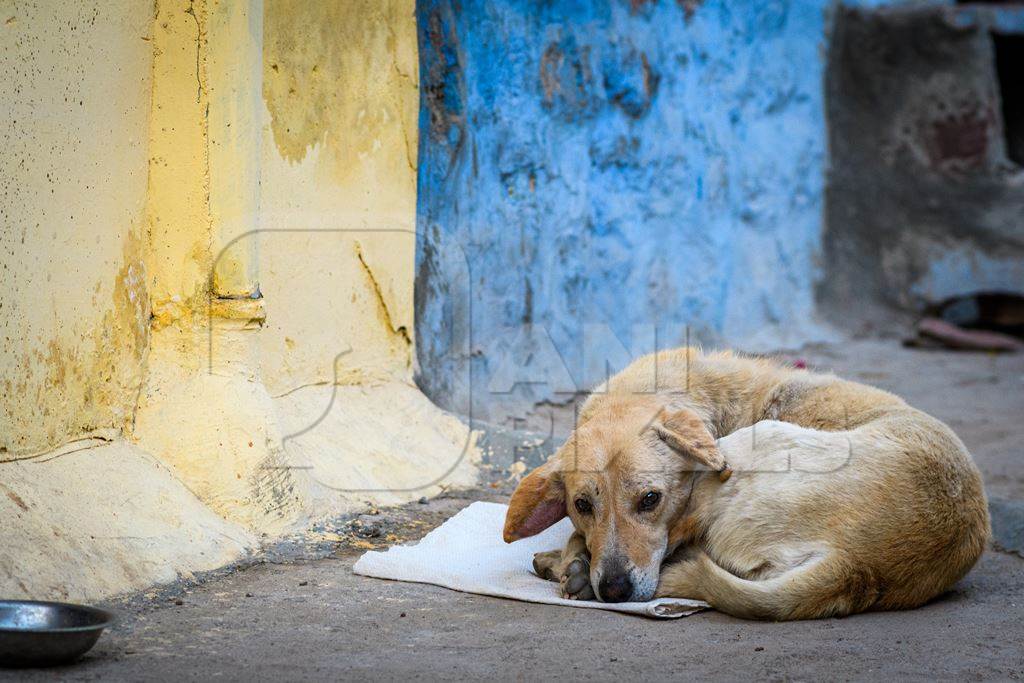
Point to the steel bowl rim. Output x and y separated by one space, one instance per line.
108 618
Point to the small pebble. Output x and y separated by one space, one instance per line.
248 595
367 527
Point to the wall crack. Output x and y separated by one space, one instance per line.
199 42
400 330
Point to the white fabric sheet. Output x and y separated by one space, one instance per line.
467 553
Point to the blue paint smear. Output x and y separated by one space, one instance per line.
616 171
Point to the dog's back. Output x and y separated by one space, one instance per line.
893 524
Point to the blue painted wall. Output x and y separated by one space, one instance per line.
589 169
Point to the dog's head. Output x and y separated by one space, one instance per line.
624 477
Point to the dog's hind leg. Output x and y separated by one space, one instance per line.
824 586
570 567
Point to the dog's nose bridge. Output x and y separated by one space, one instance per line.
602 539
632 543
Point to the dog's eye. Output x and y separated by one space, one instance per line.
649 501
583 506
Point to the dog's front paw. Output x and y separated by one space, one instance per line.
545 564
572 573
574 584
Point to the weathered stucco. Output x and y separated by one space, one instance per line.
924 202
289 269
213 282
339 191
74 309
210 228
233 53
84 518
203 409
213 211
105 521
178 217
606 166
336 254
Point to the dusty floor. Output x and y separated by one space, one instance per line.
316 620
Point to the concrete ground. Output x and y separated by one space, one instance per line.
314 619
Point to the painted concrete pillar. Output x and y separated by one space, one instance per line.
235 85
283 259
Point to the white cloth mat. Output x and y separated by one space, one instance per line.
467 553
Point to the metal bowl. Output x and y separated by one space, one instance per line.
47 633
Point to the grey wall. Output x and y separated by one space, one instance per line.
922 200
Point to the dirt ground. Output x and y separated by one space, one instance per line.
288 619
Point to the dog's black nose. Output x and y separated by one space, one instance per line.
616 588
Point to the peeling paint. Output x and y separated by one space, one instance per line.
338 168
615 165
334 76
151 321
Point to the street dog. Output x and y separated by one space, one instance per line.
824 498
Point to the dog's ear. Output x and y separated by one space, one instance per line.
684 431
538 502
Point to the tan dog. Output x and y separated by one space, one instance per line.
843 497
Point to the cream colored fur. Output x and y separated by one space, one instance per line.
842 499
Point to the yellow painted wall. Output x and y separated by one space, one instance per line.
339 174
74 116
282 207
208 217
280 153
284 162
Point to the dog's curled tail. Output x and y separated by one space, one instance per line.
824 586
